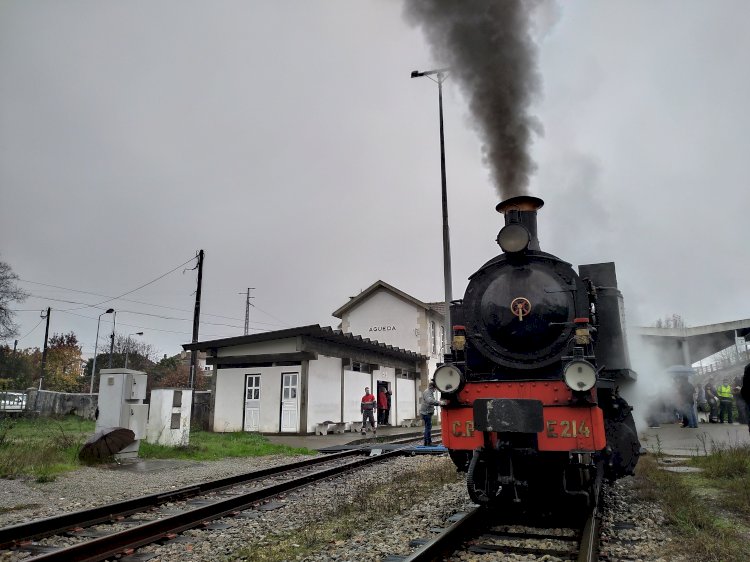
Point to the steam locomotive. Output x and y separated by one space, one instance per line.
531 383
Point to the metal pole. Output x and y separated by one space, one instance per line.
127 349
44 353
446 233
447 277
112 343
96 346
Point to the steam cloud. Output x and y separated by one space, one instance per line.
487 45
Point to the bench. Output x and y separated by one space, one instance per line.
355 426
330 427
411 422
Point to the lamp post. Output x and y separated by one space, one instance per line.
440 76
127 346
112 337
96 345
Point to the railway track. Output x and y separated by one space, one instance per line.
478 532
117 529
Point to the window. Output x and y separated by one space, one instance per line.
359 367
432 337
442 339
289 386
253 387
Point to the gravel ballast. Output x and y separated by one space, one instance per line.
632 529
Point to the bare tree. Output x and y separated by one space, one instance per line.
673 321
9 292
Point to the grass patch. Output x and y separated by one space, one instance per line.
725 461
707 532
350 516
205 445
43 448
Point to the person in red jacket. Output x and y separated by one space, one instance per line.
382 406
367 407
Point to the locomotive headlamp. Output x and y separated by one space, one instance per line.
513 237
448 378
580 375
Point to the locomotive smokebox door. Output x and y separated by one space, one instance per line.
508 415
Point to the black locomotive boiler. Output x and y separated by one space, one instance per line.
531 382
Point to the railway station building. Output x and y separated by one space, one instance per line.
298 379
295 380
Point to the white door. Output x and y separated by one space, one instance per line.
252 402
289 401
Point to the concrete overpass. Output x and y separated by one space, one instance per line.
685 346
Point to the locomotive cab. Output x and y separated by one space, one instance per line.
533 408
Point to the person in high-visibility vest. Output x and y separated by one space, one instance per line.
724 390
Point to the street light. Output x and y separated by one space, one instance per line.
96 345
440 74
127 346
112 337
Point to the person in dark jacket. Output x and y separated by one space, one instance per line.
686 392
739 401
382 405
745 392
427 410
713 401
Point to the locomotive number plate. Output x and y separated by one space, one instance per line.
567 428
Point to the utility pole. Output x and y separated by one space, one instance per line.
247 309
44 353
196 321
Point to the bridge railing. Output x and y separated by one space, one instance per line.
739 358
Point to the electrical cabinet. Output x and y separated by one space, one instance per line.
121 395
169 417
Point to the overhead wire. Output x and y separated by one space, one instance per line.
145 303
149 314
155 329
137 288
32 329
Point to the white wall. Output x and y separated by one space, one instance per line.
324 391
229 400
383 309
230 397
405 400
286 345
354 388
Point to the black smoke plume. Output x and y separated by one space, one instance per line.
487 45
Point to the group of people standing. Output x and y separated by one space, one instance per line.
718 400
382 405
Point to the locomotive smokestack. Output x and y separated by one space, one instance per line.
522 209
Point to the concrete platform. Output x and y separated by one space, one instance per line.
317 442
671 439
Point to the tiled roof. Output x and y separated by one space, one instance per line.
313 331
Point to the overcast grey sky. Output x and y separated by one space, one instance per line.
287 140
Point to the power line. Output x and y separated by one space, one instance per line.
157 329
32 329
137 288
282 323
149 314
269 314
